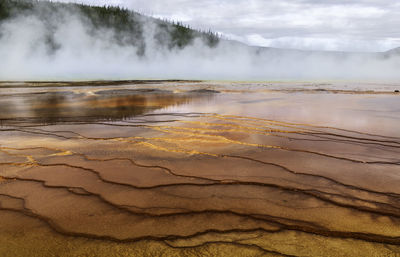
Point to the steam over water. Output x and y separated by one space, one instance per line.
61 44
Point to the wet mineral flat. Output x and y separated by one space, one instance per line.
180 168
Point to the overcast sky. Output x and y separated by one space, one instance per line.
344 25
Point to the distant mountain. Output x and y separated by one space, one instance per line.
393 52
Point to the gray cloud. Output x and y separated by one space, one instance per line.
360 25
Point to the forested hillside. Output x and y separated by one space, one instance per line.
128 27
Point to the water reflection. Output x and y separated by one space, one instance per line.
69 106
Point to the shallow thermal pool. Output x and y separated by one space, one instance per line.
199 169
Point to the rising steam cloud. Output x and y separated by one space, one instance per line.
79 51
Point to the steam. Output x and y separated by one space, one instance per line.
78 51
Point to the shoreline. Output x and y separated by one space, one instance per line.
219 86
